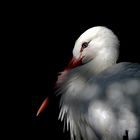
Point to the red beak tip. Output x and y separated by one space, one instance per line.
37 114
43 106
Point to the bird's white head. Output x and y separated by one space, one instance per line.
97 46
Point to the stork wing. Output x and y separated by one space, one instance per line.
112 101
104 106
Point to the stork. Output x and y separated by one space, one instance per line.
100 98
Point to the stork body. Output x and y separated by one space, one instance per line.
100 99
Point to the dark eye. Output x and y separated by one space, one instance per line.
84 45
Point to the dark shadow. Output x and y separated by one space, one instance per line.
126 137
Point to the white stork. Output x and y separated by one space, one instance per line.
100 99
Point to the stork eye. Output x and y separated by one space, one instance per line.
84 45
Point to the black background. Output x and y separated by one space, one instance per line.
51 35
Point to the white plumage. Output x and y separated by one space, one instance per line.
100 99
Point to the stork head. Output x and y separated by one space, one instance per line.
96 49
97 42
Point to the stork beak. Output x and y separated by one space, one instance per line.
74 63
43 106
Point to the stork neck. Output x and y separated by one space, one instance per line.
98 65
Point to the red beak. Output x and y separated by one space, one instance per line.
43 106
74 63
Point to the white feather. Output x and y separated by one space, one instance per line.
101 99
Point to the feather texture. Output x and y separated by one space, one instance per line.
100 99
